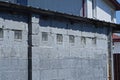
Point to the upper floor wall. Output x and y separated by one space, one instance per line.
101 10
97 9
65 6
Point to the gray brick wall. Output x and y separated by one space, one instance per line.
52 60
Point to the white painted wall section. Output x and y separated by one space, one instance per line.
104 11
13 52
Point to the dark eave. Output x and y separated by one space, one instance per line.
116 4
5 6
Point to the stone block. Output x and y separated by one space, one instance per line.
59 31
35 40
36 75
49 74
73 32
35 28
15 25
44 64
35 18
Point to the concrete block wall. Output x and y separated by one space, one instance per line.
52 60
13 52
68 61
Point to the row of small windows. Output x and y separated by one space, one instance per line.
17 34
59 38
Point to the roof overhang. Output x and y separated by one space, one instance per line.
116 4
5 6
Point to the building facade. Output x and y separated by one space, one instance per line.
38 44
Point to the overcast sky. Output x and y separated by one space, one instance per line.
118 15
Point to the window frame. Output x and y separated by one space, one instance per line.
44 36
94 41
1 35
83 40
19 34
71 39
59 38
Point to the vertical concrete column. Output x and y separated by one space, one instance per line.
33 42
34 61
110 54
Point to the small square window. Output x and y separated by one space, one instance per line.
94 41
71 39
44 36
17 34
1 33
59 38
83 40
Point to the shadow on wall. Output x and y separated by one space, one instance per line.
65 24
14 17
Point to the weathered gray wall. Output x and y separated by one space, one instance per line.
13 53
65 61
52 60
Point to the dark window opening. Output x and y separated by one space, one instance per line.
83 40
17 34
44 36
59 38
71 39
1 33
94 41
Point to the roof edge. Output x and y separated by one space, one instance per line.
5 6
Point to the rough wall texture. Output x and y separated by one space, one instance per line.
66 61
84 59
13 52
